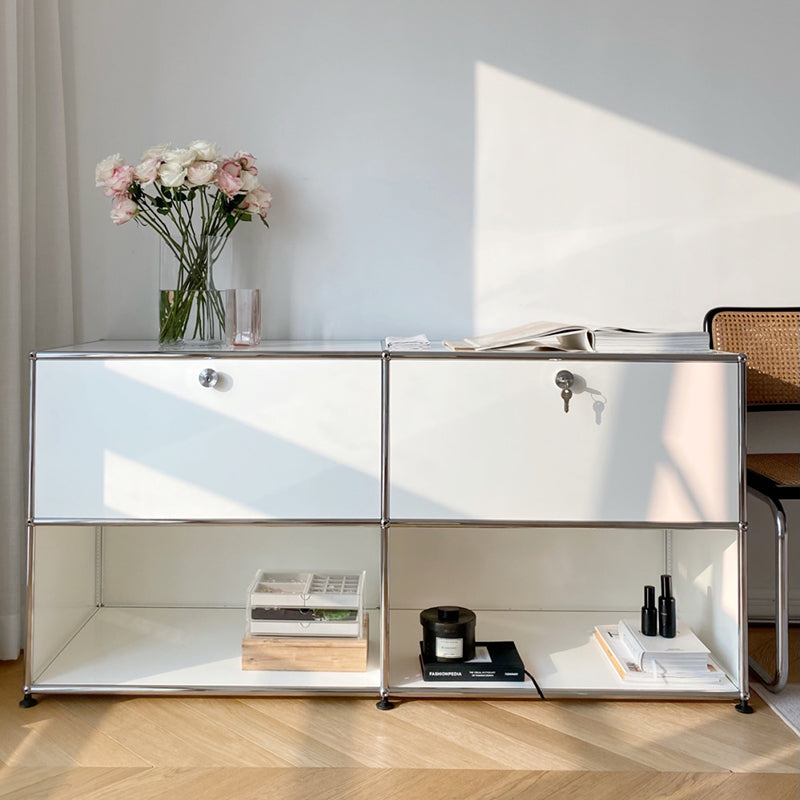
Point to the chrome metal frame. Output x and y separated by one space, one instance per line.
384 577
386 523
777 681
30 533
744 678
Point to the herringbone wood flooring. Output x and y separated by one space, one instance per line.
99 748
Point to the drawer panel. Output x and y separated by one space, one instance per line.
489 440
123 438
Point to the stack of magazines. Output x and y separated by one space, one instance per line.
611 340
558 336
657 661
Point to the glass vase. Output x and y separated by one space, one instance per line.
191 310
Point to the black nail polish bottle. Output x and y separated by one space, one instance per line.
666 609
649 612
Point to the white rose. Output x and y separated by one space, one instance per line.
106 167
171 173
181 156
156 152
204 150
201 172
249 180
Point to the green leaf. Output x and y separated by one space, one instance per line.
162 210
230 221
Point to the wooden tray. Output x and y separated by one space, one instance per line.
307 653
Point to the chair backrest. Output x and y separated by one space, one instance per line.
770 338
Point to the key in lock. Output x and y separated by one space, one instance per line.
564 380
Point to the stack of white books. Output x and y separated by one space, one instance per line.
655 660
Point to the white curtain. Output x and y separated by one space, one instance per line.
36 276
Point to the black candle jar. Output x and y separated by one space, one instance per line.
448 633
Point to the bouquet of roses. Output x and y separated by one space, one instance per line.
193 198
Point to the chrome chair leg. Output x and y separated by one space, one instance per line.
777 680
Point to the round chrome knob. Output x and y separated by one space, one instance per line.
208 378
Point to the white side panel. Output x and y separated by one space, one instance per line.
141 438
63 589
489 440
706 588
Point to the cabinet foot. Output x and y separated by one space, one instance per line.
27 701
744 707
384 704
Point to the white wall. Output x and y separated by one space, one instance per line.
454 167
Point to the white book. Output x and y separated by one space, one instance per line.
532 336
682 653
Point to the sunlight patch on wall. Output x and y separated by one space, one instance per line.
581 213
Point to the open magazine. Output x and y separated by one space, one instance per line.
561 337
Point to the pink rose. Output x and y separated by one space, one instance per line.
232 167
201 172
124 209
259 201
228 184
147 171
119 181
247 160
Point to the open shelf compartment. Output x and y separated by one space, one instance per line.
178 649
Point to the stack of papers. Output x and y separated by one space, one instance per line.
682 654
695 668
418 342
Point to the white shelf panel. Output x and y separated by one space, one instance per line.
558 647
176 648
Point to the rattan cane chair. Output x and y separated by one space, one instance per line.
770 339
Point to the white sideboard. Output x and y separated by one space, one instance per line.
161 481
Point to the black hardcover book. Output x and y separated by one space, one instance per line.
494 661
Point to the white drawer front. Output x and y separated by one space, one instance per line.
141 438
489 440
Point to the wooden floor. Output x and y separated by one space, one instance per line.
329 748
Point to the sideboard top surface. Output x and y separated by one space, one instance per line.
348 348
